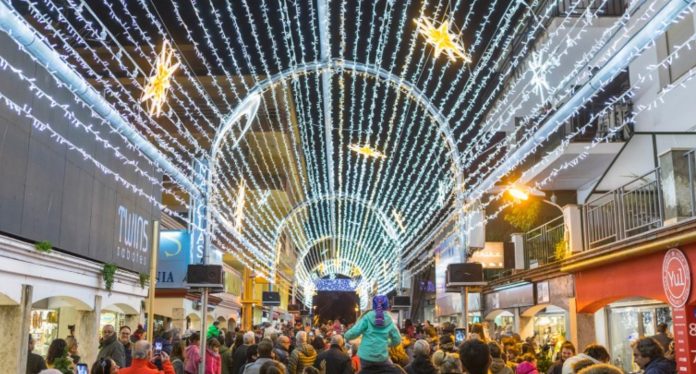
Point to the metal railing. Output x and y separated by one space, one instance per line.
540 243
629 210
691 161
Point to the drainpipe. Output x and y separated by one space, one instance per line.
24 35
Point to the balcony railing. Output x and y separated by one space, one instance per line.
631 209
540 243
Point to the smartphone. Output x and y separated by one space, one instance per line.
459 336
158 348
82 369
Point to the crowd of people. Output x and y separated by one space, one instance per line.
374 344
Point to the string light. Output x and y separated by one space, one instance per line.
366 151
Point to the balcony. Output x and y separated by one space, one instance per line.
631 209
542 242
657 199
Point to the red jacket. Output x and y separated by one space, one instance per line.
213 363
142 366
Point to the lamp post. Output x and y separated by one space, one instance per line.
522 193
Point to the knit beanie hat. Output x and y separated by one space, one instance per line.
380 303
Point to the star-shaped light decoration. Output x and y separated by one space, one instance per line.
366 151
158 84
442 39
540 66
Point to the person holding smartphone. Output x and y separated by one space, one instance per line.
146 358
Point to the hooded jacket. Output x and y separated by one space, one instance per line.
570 362
302 357
376 340
420 365
526 367
660 365
112 348
499 366
193 359
334 361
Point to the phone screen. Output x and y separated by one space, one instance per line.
158 348
82 369
459 336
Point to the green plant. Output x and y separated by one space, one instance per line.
64 364
561 250
43 246
108 273
144 278
524 215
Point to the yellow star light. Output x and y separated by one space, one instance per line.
442 39
158 84
366 151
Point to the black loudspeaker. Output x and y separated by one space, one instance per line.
462 275
293 308
204 276
270 298
401 302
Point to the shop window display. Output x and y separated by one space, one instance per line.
628 322
44 328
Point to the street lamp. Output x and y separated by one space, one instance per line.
522 193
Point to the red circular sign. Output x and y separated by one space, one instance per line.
676 278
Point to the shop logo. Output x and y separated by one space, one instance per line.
676 278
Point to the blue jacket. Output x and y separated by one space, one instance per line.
660 366
376 340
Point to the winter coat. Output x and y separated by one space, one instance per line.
193 359
660 365
255 367
526 367
213 332
375 339
212 362
127 349
226 362
142 366
421 365
334 360
556 368
178 365
281 354
239 359
570 362
112 348
498 366
300 358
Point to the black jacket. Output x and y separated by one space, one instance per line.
239 358
334 360
281 354
420 365
660 365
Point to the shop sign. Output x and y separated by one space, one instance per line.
543 296
491 256
174 256
133 237
676 278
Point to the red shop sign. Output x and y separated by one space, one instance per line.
676 278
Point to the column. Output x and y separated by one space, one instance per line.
247 300
581 326
179 319
88 331
573 227
518 243
15 321
674 180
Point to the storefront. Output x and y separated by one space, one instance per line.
626 312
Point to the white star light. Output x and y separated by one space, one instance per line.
540 66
